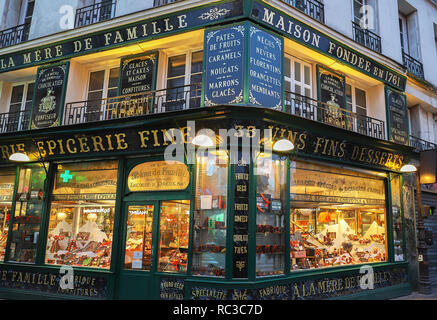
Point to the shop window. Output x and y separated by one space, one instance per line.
27 215
139 237
184 78
297 77
209 240
7 182
82 214
337 217
103 84
270 215
398 232
173 236
20 107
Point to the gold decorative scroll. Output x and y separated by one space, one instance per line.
159 176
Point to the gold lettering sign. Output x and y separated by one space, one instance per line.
159 176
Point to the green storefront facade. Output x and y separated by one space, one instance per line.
100 197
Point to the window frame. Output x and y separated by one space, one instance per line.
292 79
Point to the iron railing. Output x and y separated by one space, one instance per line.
98 12
366 37
158 3
321 112
421 145
14 35
413 66
313 8
152 102
14 121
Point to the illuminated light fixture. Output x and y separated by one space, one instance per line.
61 215
408 168
19 157
203 140
283 145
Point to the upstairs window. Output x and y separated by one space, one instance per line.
297 76
19 108
16 24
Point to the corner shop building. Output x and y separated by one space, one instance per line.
97 194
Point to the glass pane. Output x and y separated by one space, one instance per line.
196 62
139 237
27 216
113 78
287 68
7 181
297 72
209 244
95 96
175 82
176 66
337 217
82 215
307 75
398 233
30 87
307 92
17 94
173 236
270 218
360 98
298 89
97 79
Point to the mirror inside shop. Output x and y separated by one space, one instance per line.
332 235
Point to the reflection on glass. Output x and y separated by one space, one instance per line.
173 236
398 233
270 216
209 241
82 215
337 217
7 180
27 216
139 237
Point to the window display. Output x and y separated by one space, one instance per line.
7 181
337 217
82 215
209 241
27 215
270 215
173 236
398 233
139 237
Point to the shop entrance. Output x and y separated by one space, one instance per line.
154 245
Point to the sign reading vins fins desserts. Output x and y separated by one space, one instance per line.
224 65
397 116
48 99
137 73
332 88
265 69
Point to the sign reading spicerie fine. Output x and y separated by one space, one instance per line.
224 65
159 176
397 109
48 99
137 73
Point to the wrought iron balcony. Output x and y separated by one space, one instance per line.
366 37
98 12
421 145
14 35
414 66
152 102
158 3
14 121
321 112
313 8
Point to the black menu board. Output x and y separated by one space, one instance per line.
332 87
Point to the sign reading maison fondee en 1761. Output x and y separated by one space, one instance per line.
48 100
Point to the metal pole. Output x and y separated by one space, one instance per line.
424 281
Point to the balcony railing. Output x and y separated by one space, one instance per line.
14 35
414 66
152 102
421 145
366 37
98 12
313 8
14 121
158 3
321 112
